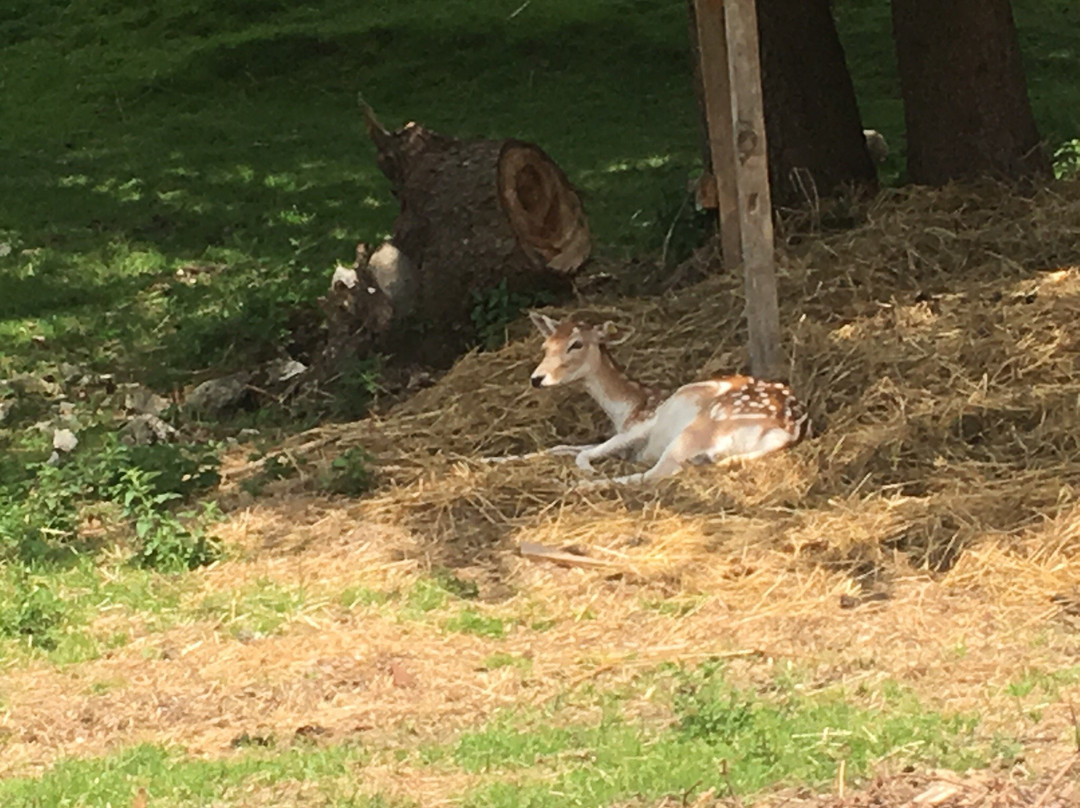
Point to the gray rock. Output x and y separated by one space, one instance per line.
216 395
145 429
344 277
70 373
281 370
140 400
28 384
64 440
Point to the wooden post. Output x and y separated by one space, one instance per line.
727 31
713 51
752 187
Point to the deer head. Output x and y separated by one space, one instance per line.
572 350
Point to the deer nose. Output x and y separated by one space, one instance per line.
538 380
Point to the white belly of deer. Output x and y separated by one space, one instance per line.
672 418
746 440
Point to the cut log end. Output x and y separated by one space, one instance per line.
543 209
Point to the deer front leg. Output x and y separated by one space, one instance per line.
555 451
666 466
621 441
675 456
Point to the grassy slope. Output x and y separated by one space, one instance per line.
139 140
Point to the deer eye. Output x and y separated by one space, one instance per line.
576 345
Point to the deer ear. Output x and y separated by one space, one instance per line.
611 334
544 324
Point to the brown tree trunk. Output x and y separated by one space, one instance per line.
474 213
699 90
965 98
815 137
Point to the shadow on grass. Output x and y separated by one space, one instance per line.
242 147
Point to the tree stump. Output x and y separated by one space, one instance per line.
474 213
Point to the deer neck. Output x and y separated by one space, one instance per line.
619 395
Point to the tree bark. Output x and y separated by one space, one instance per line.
815 136
965 99
699 89
474 213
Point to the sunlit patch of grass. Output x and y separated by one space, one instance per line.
435 592
501 659
256 609
306 772
1037 689
470 621
72 614
718 736
359 597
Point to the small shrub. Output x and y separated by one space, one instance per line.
163 541
350 473
494 309
359 381
1067 160
39 518
186 470
33 612
40 515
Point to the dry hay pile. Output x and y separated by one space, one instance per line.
936 346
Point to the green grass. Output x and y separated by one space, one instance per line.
586 748
257 609
172 779
676 607
142 140
501 659
786 737
358 597
470 621
230 136
435 592
49 613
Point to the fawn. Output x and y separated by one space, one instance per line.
723 419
